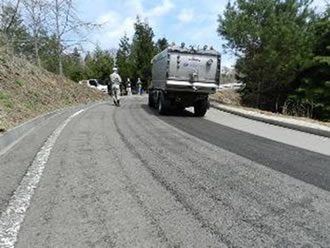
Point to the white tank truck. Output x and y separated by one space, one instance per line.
183 77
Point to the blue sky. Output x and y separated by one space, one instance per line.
191 21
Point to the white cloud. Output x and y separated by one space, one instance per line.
186 15
164 8
111 18
319 5
114 27
117 23
133 7
204 33
154 14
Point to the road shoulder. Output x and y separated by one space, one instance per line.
298 125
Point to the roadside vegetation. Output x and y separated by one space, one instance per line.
50 35
283 55
27 91
229 97
41 52
282 50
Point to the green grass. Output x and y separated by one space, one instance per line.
6 100
2 60
19 82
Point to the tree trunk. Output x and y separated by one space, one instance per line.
60 65
12 17
276 104
58 37
258 94
36 49
37 54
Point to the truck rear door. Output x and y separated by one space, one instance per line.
194 68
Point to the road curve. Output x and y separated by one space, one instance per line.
127 177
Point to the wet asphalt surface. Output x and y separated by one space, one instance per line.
127 177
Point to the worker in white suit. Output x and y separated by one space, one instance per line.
115 86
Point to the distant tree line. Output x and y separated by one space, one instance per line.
42 31
49 34
283 50
134 58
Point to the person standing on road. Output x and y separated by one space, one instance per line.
115 86
128 89
139 86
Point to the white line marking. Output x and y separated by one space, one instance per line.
12 218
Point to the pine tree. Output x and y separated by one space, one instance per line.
123 58
272 39
312 96
142 52
161 44
48 53
73 68
99 65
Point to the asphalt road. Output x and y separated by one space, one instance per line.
127 177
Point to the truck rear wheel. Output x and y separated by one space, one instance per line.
151 101
200 108
162 105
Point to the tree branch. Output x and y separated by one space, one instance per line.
13 17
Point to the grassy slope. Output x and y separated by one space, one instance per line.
228 97
27 91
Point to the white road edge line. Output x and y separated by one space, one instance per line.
12 218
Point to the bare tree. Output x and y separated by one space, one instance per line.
66 24
36 11
8 14
7 25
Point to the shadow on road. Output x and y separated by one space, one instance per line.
176 113
302 164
